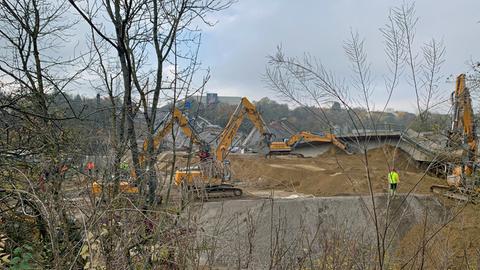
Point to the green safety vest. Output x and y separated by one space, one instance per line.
124 166
393 177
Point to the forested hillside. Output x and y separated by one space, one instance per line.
333 118
315 119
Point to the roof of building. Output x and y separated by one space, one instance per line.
231 100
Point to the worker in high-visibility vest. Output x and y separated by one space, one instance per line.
124 166
393 179
124 169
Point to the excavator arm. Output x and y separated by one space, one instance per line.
254 116
462 181
188 130
469 130
463 113
159 136
226 138
310 137
182 121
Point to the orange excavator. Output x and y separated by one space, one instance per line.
287 146
462 180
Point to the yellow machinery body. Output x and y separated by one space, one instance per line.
125 187
280 147
197 180
187 176
463 131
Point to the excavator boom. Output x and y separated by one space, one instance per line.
469 130
463 115
183 123
463 183
212 175
226 137
304 136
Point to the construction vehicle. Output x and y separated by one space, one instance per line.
176 117
125 187
207 177
184 124
213 173
228 134
463 181
286 147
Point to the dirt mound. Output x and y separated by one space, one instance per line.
389 156
333 173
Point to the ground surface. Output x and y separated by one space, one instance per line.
243 229
450 244
332 173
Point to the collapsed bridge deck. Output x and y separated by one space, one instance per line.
417 145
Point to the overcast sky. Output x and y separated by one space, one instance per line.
236 48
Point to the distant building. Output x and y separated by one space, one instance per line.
212 98
229 100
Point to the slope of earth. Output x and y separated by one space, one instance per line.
452 244
305 233
333 173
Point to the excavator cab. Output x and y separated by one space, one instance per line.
204 152
226 171
207 178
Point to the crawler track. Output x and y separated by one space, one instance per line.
216 191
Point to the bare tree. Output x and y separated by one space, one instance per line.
423 74
145 58
307 79
167 28
34 80
433 52
40 123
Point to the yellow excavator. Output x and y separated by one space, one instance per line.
286 147
213 173
245 108
462 180
182 121
176 117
